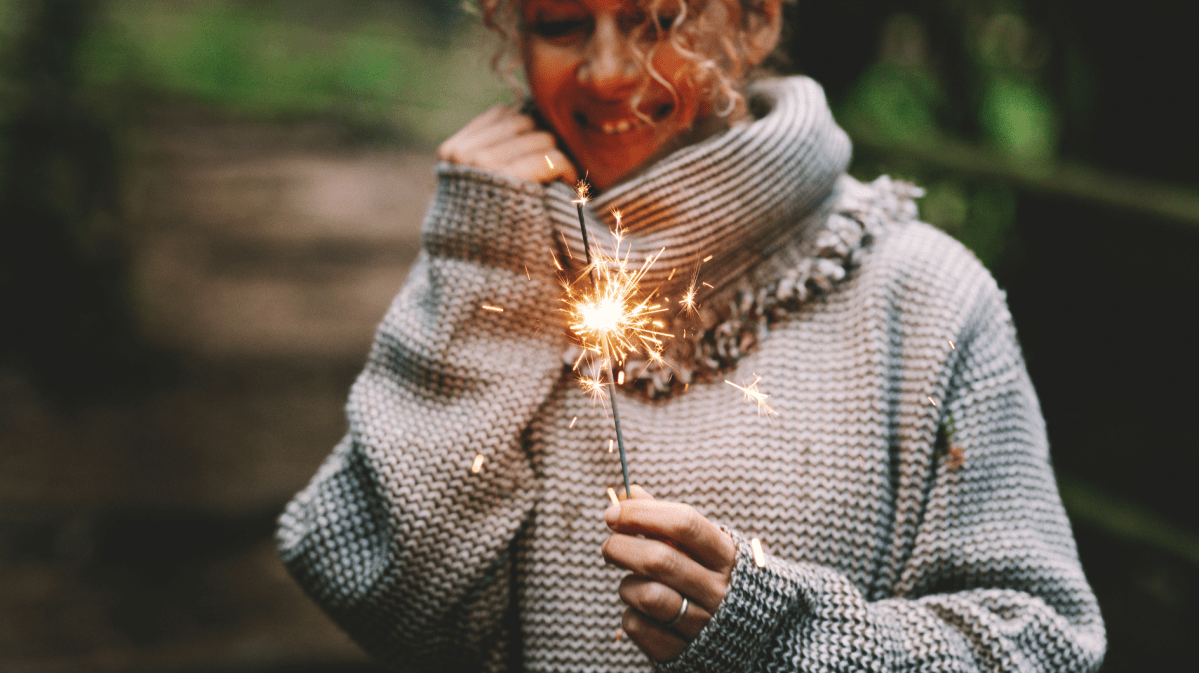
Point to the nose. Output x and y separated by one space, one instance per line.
609 67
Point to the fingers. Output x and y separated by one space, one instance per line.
658 642
663 604
562 168
507 142
678 523
659 561
466 137
638 492
534 167
473 147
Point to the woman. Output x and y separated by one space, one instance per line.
903 492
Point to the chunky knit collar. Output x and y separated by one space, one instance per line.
735 197
749 217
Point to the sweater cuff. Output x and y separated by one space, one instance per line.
482 216
746 622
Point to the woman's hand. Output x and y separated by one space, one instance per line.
507 142
671 552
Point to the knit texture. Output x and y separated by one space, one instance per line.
903 493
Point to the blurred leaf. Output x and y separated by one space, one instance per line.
991 214
980 216
899 102
1127 520
1019 118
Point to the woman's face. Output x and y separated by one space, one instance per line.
583 72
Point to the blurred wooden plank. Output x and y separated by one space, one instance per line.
1073 180
1127 520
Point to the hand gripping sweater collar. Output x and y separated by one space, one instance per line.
758 218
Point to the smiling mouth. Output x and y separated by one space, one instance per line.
614 126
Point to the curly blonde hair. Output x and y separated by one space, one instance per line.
715 74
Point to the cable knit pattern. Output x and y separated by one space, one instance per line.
884 552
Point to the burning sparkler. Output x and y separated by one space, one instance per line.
614 319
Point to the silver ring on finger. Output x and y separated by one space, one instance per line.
682 612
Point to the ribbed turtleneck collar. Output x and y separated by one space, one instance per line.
763 215
735 197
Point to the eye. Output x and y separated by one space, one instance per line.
560 28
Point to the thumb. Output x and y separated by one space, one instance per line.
566 170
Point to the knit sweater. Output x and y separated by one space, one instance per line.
903 493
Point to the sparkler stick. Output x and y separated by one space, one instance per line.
583 191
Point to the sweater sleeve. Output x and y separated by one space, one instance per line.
399 540
992 581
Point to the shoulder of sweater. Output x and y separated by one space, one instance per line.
928 261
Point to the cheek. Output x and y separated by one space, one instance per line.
681 73
547 74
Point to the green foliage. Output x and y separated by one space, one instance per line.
897 102
980 215
1018 118
985 90
267 62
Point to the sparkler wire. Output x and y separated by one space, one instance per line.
624 462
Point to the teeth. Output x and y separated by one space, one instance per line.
622 126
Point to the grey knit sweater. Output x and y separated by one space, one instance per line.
903 493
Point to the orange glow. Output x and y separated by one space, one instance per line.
614 318
759 556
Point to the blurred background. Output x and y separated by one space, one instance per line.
206 206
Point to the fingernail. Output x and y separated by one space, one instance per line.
612 515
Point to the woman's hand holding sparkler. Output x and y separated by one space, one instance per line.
507 142
672 553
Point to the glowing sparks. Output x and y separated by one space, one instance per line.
548 162
496 309
620 378
477 465
593 387
707 258
759 556
572 421
932 401
951 346
756 396
614 318
611 445
688 300
582 191
612 496
619 633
